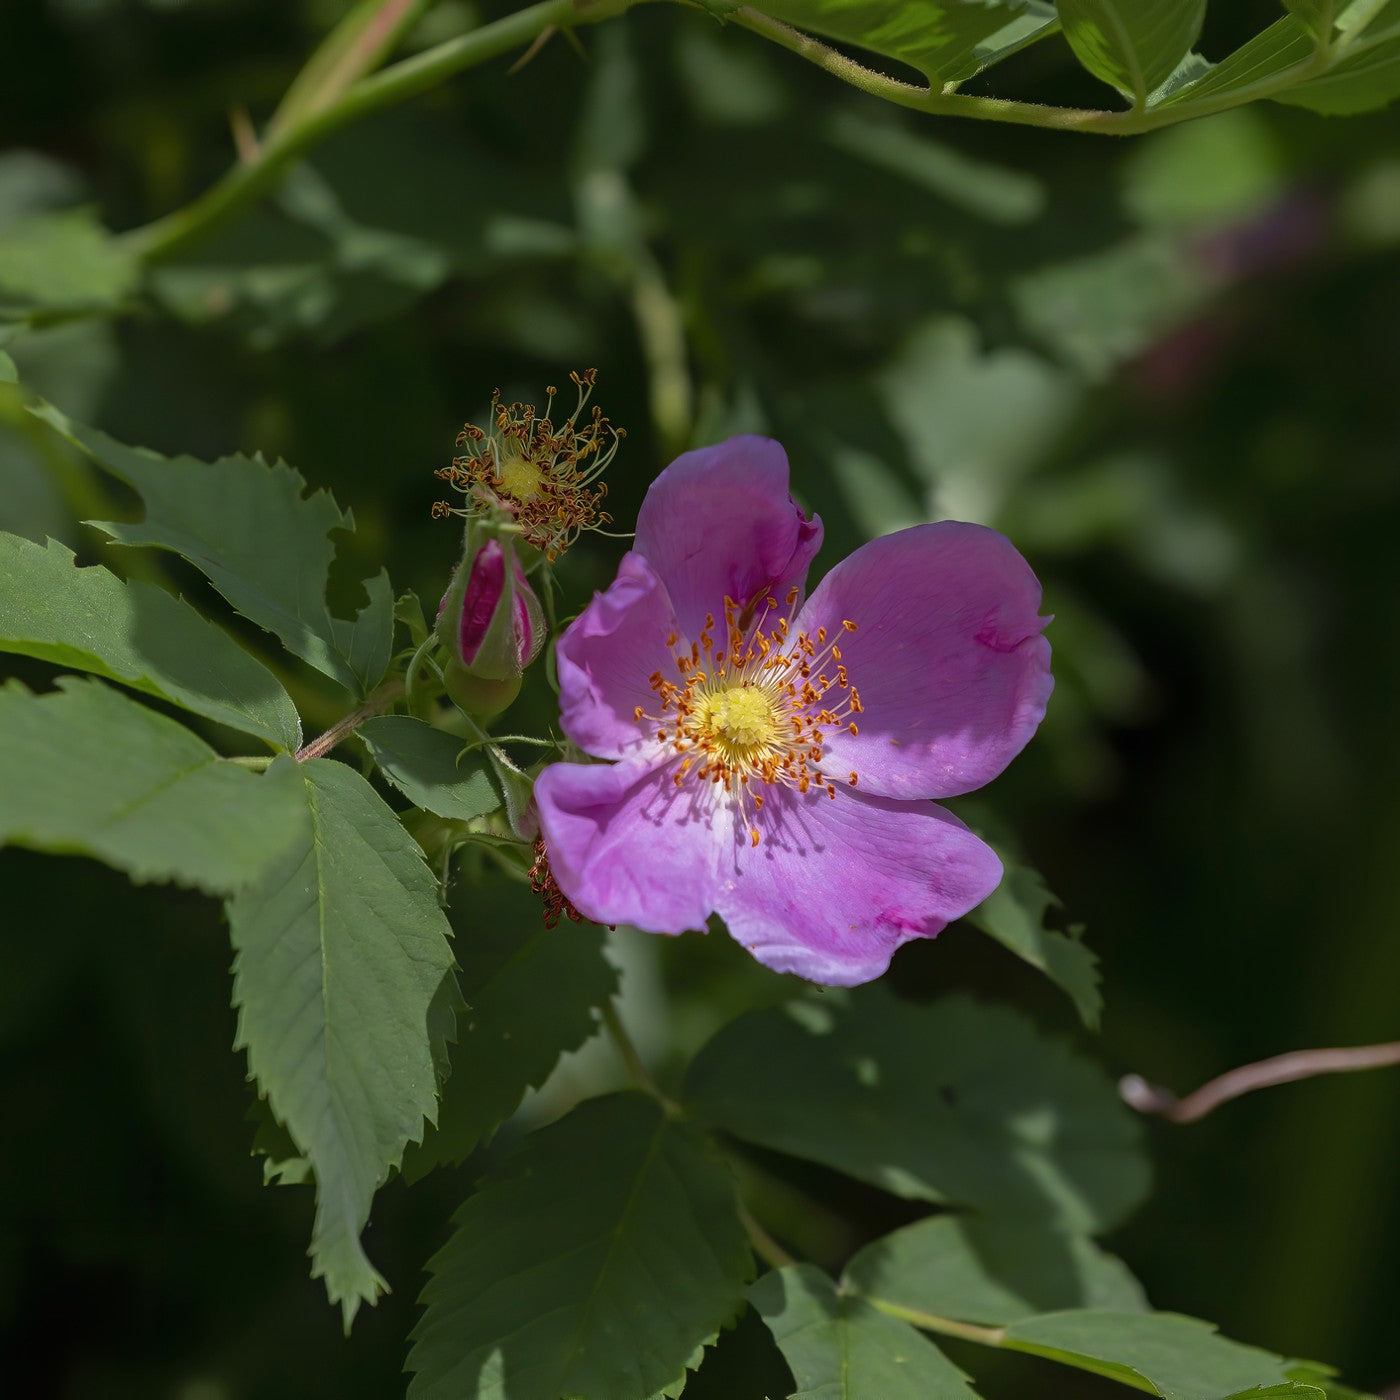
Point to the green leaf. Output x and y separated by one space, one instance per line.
946 40
1323 1378
1315 14
431 768
344 989
841 1348
1014 914
8 373
1131 44
990 1271
1365 75
260 541
136 633
1178 1358
531 993
86 771
599 1262
953 1102
1281 46
62 262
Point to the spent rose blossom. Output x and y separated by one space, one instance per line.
775 761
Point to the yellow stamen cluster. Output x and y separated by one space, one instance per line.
754 708
548 478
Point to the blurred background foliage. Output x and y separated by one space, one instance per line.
1161 365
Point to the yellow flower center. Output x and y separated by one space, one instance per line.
755 709
520 478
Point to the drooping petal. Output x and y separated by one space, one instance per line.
719 522
948 658
628 847
836 885
606 657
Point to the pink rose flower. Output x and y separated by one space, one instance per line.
774 761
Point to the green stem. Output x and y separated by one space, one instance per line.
256 763
764 1245
638 1072
382 698
247 182
945 102
944 1326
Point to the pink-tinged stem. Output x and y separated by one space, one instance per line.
1263 1074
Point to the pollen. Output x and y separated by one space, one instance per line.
547 478
754 706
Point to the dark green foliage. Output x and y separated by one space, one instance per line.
530 995
600 1261
954 1102
841 1348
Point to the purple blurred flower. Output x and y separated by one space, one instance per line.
491 624
774 760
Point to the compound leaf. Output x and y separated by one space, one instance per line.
954 1102
841 1348
345 995
262 543
136 633
599 1261
86 771
1134 45
990 1271
946 40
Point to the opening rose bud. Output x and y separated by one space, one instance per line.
492 625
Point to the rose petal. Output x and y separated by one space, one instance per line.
628 847
606 657
719 522
836 885
948 658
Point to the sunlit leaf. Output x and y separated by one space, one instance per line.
841 1348
990 1271
345 996
1365 76
954 1102
600 1261
262 543
86 771
946 40
1134 45
133 632
1284 44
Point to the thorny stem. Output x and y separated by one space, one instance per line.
246 182
379 701
1263 1074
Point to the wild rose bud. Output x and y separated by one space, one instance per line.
491 624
